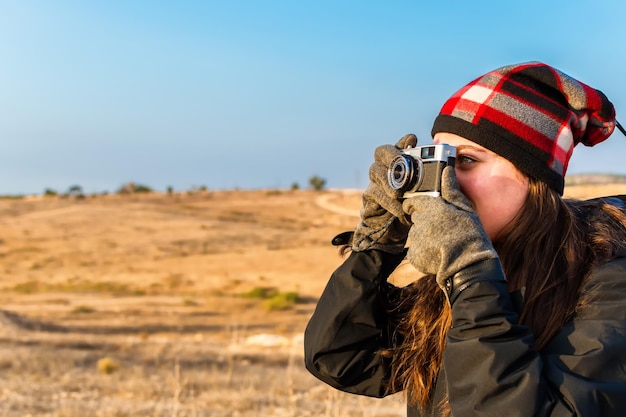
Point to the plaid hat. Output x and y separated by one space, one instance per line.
531 114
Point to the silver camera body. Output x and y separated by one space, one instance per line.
417 171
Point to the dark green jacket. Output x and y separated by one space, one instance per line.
489 368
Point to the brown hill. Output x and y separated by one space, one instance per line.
186 298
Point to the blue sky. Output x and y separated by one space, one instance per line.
262 94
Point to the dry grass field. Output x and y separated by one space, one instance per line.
190 304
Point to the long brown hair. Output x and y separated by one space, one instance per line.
546 253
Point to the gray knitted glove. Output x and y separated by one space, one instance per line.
383 225
447 236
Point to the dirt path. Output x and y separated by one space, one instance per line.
326 202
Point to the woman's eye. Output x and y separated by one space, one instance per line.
464 159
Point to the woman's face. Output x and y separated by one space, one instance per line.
495 188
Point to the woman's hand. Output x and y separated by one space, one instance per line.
383 225
446 236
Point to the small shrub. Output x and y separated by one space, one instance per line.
82 309
107 365
262 293
28 287
281 301
173 281
77 285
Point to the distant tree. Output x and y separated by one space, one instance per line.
49 192
317 183
170 190
75 191
140 188
12 196
197 189
133 188
295 186
127 188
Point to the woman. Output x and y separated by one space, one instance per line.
522 309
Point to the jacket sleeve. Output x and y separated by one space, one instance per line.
492 370
350 325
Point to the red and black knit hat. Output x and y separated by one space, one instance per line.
531 114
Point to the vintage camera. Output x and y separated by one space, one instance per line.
417 171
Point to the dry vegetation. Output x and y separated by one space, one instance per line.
170 305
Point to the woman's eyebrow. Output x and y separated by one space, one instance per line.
472 148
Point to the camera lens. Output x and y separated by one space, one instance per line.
401 174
